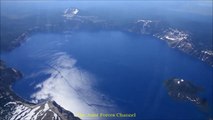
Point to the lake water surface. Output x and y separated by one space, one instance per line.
107 71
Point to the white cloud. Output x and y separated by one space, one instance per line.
71 87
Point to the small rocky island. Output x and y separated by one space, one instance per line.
184 90
12 107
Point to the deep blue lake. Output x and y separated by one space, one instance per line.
117 72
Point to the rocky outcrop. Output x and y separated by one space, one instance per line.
175 38
12 107
146 27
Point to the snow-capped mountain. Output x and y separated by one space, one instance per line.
46 111
12 107
69 13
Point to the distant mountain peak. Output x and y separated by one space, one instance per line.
70 12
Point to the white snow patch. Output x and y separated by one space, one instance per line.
46 107
9 103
